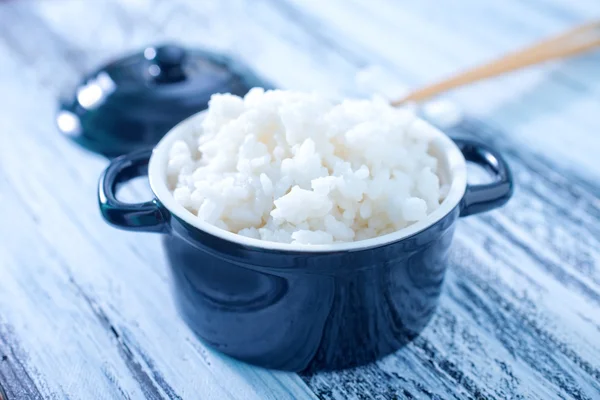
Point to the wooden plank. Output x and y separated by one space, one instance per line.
581 289
518 317
426 45
128 340
499 331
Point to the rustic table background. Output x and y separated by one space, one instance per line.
85 310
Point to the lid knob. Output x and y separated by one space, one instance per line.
166 63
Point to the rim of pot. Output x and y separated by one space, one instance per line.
451 162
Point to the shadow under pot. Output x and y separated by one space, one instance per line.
304 308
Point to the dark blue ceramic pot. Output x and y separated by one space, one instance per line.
305 308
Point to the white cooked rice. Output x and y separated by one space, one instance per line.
298 168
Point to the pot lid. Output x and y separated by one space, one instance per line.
132 102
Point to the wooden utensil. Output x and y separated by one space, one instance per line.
575 41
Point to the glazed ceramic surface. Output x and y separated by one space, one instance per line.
133 101
297 307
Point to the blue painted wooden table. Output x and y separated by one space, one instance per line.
85 310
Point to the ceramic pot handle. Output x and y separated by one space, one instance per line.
150 216
485 197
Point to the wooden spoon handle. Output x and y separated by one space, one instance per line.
579 40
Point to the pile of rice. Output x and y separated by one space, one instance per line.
299 168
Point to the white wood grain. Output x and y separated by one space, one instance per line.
85 310
426 42
59 234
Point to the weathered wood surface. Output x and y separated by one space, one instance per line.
85 310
